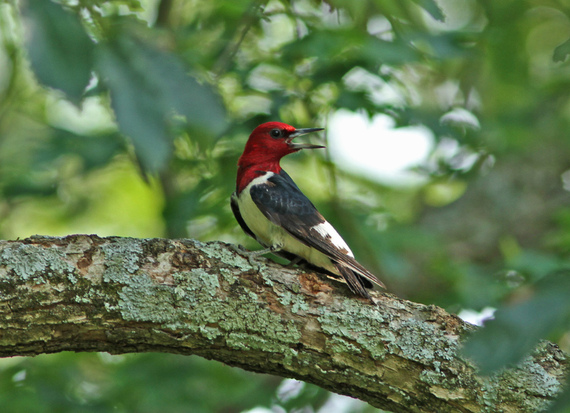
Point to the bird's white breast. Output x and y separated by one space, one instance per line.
253 217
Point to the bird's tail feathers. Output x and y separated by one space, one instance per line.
359 269
354 282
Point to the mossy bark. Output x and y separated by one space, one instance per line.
119 295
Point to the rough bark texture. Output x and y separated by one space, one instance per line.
85 293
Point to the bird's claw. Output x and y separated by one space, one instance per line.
252 255
240 249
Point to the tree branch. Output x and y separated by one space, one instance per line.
120 295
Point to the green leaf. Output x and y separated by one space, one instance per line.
355 100
517 329
561 51
349 47
377 51
148 87
61 53
133 5
202 108
135 98
432 8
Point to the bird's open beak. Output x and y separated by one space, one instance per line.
299 132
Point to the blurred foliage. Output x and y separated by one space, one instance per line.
103 383
543 311
127 117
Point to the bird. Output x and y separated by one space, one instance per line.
271 208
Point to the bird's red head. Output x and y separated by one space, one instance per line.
267 144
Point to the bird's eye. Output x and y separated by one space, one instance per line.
276 133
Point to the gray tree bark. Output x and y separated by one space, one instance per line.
120 295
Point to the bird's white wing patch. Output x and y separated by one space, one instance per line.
327 231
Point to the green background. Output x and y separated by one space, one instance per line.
127 117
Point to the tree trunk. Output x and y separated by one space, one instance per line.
120 295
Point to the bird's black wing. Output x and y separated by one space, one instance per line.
283 203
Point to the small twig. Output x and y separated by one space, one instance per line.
163 13
248 19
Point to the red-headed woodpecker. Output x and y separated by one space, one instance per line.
270 207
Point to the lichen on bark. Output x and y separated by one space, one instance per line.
86 293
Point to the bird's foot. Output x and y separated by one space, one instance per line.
240 249
253 255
